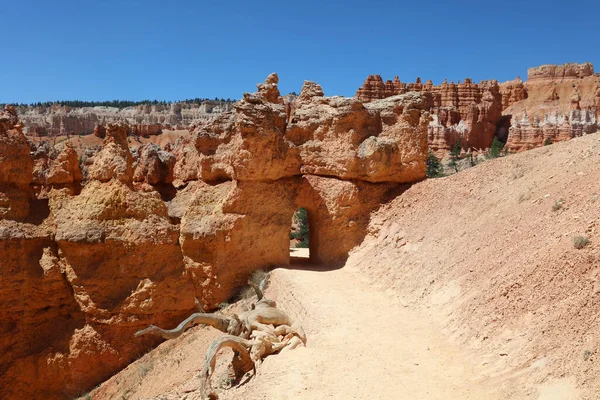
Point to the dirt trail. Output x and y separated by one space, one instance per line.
360 346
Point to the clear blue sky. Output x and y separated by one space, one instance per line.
169 50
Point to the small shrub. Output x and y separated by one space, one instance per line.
548 141
524 196
434 166
472 161
558 204
258 276
247 291
455 155
580 241
144 369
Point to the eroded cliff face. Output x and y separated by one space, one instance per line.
561 102
556 102
89 257
466 112
142 120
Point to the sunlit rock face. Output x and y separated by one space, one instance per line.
472 114
142 120
96 248
465 112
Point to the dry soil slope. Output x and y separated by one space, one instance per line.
489 254
466 287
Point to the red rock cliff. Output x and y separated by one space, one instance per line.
464 112
560 102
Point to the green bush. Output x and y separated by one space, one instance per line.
580 241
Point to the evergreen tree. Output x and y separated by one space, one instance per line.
301 218
495 148
434 166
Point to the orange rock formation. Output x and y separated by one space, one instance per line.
465 112
562 102
87 266
473 113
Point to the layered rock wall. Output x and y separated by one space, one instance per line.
550 88
561 102
88 259
472 114
141 120
467 112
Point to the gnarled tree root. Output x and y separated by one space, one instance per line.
223 324
255 334
244 363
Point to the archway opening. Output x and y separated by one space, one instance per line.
299 236
502 128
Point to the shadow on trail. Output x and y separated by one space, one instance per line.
305 264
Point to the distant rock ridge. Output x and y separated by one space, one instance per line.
553 72
141 120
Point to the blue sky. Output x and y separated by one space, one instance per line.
169 50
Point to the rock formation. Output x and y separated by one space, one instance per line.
561 103
549 89
153 165
142 120
145 233
465 112
16 167
115 160
525 133
512 91
472 114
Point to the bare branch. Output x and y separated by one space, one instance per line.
239 345
213 320
259 292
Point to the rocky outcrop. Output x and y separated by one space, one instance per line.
142 120
54 168
512 92
472 114
148 231
549 89
561 103
153 165
382 141
553 72
375 88
65 168
526 133
467 113
115 160
16 167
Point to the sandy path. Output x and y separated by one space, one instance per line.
360 346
